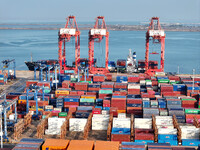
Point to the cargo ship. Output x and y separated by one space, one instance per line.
32 64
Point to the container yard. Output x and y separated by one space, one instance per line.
91 108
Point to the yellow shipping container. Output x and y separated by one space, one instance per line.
88 96
61 92
121 111
21 101
34 109
58 144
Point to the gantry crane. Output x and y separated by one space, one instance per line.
6 65
65 34
157 35
96 34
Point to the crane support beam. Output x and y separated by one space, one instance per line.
157 35
65 34
97 34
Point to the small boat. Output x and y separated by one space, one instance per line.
154 53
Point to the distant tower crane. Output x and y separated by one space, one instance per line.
65 34
96 34
156 34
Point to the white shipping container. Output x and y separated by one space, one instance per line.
48 107
133 86
142 82
58 109
105 112
98 31
99 124
167 131
121 115
146 99
166 126
67 31
121 123
12 117
148 83
157 33
142 121
54 125
100 116
142 126
77 124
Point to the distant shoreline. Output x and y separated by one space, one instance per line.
117 27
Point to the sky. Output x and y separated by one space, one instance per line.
186 11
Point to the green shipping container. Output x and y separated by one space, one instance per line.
163 81
86 81
105 91
62 114
176 82
89 100
74 79
192 111
147 80
188 99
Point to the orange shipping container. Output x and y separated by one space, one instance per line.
106 145
81 145
58 144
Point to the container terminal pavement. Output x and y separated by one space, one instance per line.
160 111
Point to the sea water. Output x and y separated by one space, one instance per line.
181 48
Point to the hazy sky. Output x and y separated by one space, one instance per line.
87 10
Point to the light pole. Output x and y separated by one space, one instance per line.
193 80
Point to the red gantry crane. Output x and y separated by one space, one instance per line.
96 34
65 34
157 35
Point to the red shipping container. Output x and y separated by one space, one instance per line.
107 85
12 97
93 89
54 114
46 84
176 78
96 111
40 103
101 96
134 91
98 78
30 82
73 93
134 101
87 79
120 137
106 105
109 77
121 85
80 93
133 79
154 83
81 86
143 136
113 110
65 84
66 104
134 110
72 109
169 94
91 93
